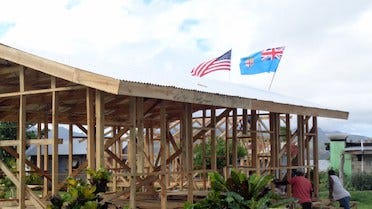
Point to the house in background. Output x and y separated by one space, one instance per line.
78 155
350 154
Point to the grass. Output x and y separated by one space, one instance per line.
362 197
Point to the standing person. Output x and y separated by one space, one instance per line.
337 191
301 188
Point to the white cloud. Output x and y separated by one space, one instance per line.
328 43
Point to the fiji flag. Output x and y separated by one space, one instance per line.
263 61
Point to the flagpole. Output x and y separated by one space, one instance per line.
272 79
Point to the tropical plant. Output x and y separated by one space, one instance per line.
220 151
99 178
240 192
81 195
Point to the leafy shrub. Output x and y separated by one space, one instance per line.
99 178
239 191
34 179
362 181
83 195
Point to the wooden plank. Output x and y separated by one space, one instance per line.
35 200
45 157
40 172
100 105
163 163
182 95
140 138
213 140
288 150
41 91
189 153
300 137
132 152
316 158
21 185
70 148
234 139
38 157
253 129
91 145
59 70
55 162
11 143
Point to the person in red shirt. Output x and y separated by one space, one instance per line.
301 188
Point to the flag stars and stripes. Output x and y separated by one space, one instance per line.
220 63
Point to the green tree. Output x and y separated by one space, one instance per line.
220 152
8 131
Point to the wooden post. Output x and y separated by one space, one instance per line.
234 139
227 150
288 150
213 140
46 157
55 163
204 163
316 158
189 153
140 139
38 156
300 137
132 152
183 135
100 142
91 148
22 142
70 148
115 150
253 129
163 162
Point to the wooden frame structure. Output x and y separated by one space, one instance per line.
160 124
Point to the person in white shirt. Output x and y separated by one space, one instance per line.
337 191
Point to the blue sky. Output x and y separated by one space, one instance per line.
328 43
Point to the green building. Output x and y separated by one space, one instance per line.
350 155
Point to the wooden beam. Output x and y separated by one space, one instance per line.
34 199
45 157
182 95
90 131
234 139
70 148
316 158
288 150
55 162
140 138
213 140
41 91
189 152
21 184
14 153
132 152
59 70
100 105
163 163
253 129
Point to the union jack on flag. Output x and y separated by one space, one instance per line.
249 62
272 53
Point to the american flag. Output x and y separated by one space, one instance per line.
272 53
220 63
